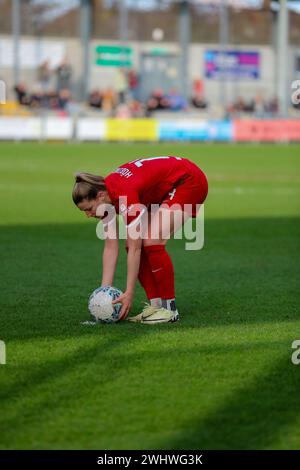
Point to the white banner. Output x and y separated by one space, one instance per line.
24 128
57 128
91 129
12 128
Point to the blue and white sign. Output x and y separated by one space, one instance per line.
195 130
232 64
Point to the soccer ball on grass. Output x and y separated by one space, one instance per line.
100 304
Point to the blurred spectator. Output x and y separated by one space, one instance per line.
158 100
132 109
198 101
136 109
109 100
133 84
44 75
259 106
239 105
64 97
95 99
272 106
121 85
176 102
123 111
63 75
198 88
38 99
53 100
22 94
249 106
173 101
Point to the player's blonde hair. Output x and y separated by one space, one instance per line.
87 186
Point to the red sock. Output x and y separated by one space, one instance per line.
146 278
162 270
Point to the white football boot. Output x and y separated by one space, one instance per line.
161 315
146 312
153 315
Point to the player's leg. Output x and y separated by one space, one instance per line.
163 224
183 202
147 280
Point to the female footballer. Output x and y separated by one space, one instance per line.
155 196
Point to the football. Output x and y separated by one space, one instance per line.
100 304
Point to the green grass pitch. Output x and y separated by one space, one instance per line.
222 378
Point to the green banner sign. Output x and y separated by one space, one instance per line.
113 56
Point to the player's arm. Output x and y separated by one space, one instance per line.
110 254
132 211
134 224
133 264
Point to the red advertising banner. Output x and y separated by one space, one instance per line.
266 130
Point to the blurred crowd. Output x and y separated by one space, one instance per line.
38 98
52 91
124 99
257 106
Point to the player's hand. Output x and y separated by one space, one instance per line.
126 301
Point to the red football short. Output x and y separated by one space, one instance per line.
189 193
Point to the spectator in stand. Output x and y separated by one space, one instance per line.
44 76
272 106
249 106
121 85
239 105
176 101
95 99
63 75
198 101
109 100
136 109
38 98
133 84
157 101
21 94
52 100
259 106
64 97
123 111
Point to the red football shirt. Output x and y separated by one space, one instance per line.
145 181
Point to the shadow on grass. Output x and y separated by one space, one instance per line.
261 416
253 417
246 273
41 379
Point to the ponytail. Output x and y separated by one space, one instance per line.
87 186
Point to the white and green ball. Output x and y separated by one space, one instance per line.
100 304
